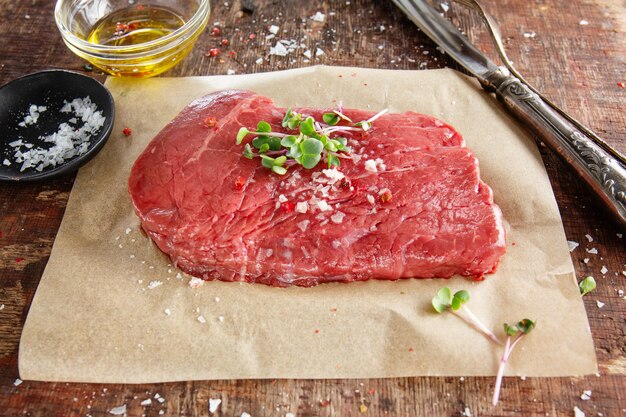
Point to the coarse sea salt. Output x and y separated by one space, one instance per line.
302 207
279 49
572 245
153 284
333 175
370 165
303 225
33 115
318 17
195 282
67 142
118 411
337 218
213 404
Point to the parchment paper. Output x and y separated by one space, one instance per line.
109 308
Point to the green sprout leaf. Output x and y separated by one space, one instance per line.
365 125
291 119
273 143
587 285
243 132
263 126
309 161
307 128
267 161
525 326
510 330
289 141
280 161
311 146
460 298
294 151
442 300
279 170
247 151
330 146
331 119
288 116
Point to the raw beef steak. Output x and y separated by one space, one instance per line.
409 204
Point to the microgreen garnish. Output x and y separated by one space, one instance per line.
313 142
513 335
587 285
444 300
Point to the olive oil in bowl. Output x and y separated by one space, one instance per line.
135 25
140 40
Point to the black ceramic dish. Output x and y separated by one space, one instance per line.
50 89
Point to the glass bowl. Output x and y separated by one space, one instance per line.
76 19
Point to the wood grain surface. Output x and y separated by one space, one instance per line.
572 50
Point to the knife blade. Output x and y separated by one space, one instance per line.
601 171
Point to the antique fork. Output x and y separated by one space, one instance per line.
595 161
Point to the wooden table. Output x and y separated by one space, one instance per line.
573 50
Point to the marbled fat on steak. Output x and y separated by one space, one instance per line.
221 216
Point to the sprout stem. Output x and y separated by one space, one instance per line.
473 321
505 357
377 115
276 153
508 348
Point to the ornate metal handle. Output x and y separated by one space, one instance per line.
600 170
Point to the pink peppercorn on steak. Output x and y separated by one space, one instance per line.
392 196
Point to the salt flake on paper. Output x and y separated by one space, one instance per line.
196 282
213 404
17 382
153 284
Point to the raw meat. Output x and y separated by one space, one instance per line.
221 216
